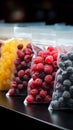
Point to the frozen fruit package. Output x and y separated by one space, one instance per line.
62 97
7 51
43 69
21 68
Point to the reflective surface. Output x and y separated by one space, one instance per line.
38 112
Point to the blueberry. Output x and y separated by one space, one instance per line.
71 77
70 103
63 57
55 104
67 82
59 78
67 63
61 65
61 102
64 75
66 95
71 90
70 55
69 70
54 96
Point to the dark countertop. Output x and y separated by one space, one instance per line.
38 112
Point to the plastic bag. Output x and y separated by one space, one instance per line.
62 97
43 69
6 62
22 63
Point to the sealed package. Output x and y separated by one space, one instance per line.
43 69
22 63
6 62
62 97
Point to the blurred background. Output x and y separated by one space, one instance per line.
48 11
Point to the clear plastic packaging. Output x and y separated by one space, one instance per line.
22 63
62 97
43 69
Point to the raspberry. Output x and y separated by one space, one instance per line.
38 82
38 59
50 48
35 75
48 69
11 91
20 46
21 73
34 92
40 53
47 99
40 67
32 84
34 67
55 56
30 99
49 59
43 93
48 78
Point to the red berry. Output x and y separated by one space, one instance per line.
20 54
34 67
38 82
11 91
48 69
43 93
27 71
38 59
47 99
40 67
21 73
25 83
49 59
27 58
34 92
48 78
28 51
30 99
20 46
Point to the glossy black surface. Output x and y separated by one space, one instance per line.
36 114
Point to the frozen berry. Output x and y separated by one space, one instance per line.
20 46
66 95
48 69
67 82
49 59
21 73
30 99
48 78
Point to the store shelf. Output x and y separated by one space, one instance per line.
37 113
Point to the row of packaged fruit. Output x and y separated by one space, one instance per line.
42 73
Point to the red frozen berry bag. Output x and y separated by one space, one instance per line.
43 69
21 67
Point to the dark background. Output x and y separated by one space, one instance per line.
48 11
